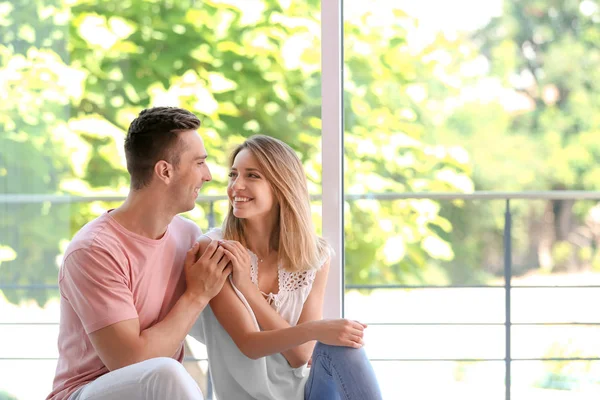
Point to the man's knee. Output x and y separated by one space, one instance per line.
168 369
168 376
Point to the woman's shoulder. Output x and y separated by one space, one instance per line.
213 234
209 236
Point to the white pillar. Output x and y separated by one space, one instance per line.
333 149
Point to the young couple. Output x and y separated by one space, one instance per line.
138 279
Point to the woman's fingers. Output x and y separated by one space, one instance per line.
231 248
357 332
353 343
231 257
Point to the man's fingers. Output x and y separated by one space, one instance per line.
218 254
191 254
210 249
223 262
227 271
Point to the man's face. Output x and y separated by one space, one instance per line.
191 172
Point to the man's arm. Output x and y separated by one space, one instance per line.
122 343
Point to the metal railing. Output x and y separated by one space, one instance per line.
507 236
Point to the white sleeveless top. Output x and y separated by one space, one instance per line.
237 377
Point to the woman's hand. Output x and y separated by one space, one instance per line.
240 260
340 332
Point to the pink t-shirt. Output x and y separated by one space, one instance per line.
110 274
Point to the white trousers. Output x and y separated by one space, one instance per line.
155 379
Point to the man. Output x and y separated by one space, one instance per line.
130 285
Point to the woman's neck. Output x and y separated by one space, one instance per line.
258 234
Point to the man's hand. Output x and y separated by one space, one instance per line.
206 275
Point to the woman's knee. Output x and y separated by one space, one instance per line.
339 352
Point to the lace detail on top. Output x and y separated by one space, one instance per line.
287 281
295 280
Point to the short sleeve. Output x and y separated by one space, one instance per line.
97 288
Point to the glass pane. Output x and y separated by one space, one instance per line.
441 380
569 380
434 342
549 341
75 74
462 305
555 243
555 305
19 376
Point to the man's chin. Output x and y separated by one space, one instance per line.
187 207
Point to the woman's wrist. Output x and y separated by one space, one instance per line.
311 329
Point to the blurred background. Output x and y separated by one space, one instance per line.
442 101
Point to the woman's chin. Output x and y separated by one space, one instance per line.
239 213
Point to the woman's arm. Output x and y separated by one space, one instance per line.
237 321
270 320
277 335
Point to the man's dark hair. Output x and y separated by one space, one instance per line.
152 137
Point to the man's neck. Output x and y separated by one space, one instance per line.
144 214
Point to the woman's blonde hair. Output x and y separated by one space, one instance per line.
298 247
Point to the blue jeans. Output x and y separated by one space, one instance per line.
341 373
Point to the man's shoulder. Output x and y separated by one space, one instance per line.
96 233
186 227
95 245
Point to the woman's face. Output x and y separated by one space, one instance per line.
249 192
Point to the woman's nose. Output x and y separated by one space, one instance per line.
238 183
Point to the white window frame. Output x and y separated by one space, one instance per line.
332 62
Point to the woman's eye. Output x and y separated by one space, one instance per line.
231 174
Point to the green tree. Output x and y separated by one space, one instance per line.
537 133
76 73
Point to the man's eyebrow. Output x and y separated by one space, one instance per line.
202 157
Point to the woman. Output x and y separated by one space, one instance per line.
260 330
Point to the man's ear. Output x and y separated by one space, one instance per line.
164 171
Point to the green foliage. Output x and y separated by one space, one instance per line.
532 127
78 72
